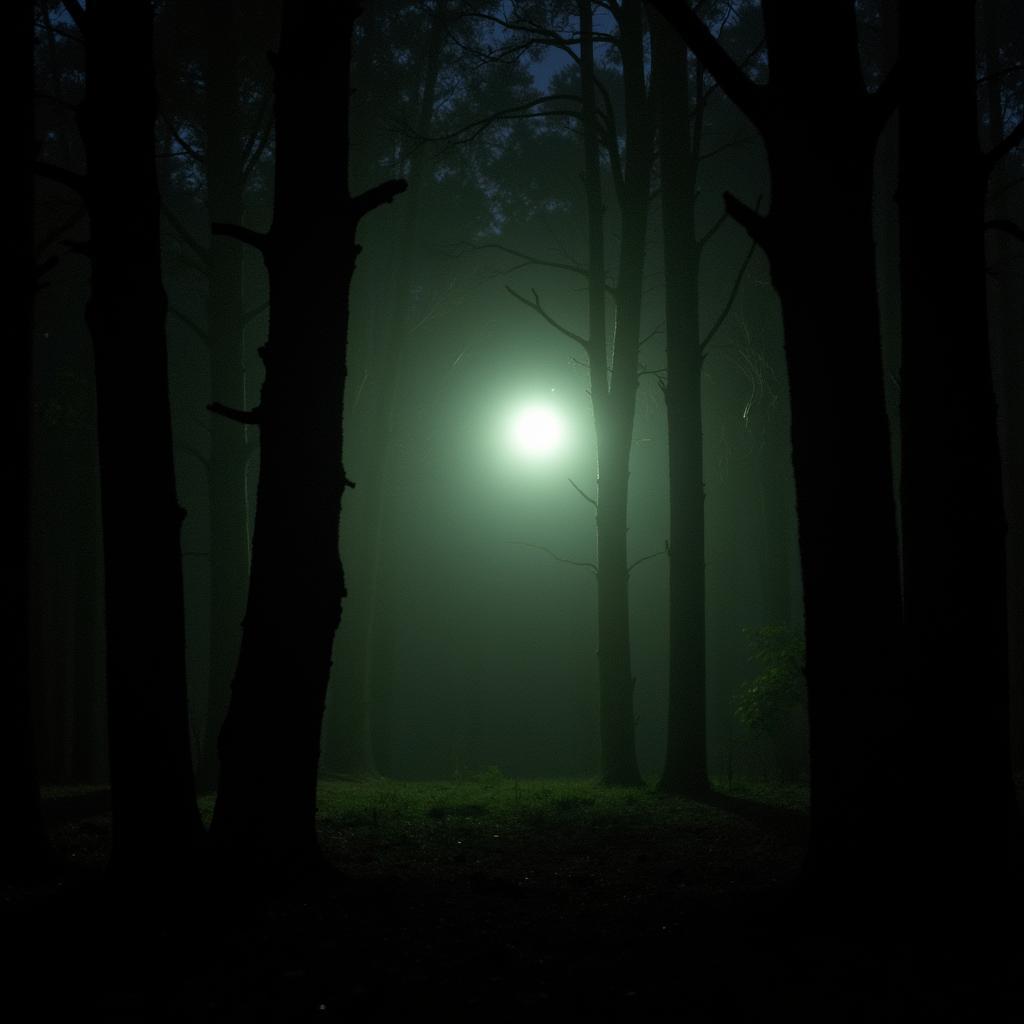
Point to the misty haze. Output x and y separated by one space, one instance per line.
517 510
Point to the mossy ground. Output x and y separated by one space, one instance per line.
483 898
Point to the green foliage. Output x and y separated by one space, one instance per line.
559 828
388 816
766 700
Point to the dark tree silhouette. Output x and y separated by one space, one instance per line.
614 381
1002 28
614 362
152 793
679 147
614 377
820 126
25 847
229 526
270 743
954 546
686 741
362 746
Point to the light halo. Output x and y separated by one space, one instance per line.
537 430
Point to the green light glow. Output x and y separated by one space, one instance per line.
537 431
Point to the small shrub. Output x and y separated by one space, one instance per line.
773 705
767 700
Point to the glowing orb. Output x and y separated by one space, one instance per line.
537 431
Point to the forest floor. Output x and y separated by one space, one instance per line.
485 898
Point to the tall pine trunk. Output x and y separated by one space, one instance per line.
229 526
685 768
25 848
954 530
1005 296
152 794
614 382
361 726
270 742
820 129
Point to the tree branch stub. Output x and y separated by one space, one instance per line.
379 195
249 417
540 311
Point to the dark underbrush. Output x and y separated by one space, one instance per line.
487 898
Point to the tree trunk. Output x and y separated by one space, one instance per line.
845 504
152 793
888 241
820 129
1008 364
229 528
685 768
613 388
270 742
954 530
360 748
25 849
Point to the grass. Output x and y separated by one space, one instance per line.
482 897
547 830
487 821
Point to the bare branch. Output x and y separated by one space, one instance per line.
557 558
380 194
77 14
730 300
1000 73
180 139
510 53
646 558
611 144
254 140
541 33
258 142
537 308
582 493
653 334
713 230
473 129
533 261
748 96
56 30
479 127
246 416
756 224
